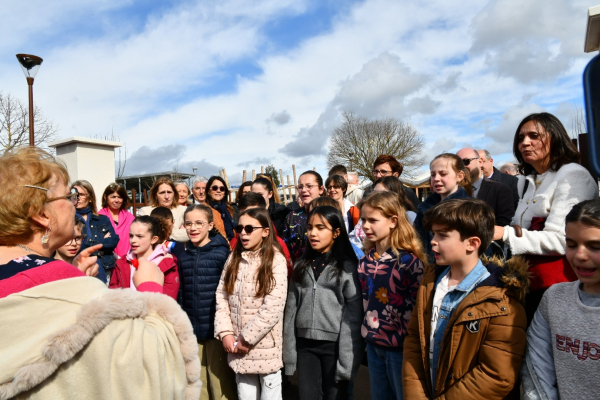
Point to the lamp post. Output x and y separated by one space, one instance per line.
30 65
350 155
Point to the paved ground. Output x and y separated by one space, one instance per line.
362 389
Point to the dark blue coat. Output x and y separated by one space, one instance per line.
431 201
99 226
199 272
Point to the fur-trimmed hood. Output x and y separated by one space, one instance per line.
74 338
511 275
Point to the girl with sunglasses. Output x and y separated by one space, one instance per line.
217 194
250 303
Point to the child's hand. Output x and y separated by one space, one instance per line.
229 344
242 347
147 272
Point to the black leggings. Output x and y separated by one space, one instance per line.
317 362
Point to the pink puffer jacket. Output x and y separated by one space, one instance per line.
259 320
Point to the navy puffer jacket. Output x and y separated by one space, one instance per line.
199 271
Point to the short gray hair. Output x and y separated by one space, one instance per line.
200 179
488 155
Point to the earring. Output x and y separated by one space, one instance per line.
46 236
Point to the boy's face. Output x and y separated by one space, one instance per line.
447 245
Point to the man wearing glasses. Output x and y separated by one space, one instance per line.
496 194
386 165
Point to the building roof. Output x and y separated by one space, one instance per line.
167 173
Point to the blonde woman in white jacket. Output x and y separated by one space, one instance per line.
550 184
250 302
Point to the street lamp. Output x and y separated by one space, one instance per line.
350 155
31 65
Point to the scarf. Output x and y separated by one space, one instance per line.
87 211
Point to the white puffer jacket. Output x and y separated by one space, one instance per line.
550 195
258 320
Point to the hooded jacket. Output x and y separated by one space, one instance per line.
75 338
483 344
200 269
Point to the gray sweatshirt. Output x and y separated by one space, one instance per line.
563 349
326 309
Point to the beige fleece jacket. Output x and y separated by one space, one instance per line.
76 339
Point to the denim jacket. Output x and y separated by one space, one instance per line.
99 226
449 304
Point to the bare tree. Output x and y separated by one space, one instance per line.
361 140
14 125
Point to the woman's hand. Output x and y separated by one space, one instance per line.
86 263
229 344
242 347
148 272
498 232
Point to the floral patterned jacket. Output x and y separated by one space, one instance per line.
389 289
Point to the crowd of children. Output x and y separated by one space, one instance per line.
325 285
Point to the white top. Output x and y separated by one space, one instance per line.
441 291
179 233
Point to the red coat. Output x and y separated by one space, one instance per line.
50 272
121 276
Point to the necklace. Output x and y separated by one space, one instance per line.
27 249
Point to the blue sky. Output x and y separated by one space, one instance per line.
236 84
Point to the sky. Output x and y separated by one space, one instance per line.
242 84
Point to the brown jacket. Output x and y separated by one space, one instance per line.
483 364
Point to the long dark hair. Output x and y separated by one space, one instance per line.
265 280
341 250
155 227
393 184
562 149
209 198
267 184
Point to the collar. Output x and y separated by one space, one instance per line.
471 280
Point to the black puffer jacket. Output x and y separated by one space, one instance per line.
278 212
199 271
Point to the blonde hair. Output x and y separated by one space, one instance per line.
18 204
403 236
90 192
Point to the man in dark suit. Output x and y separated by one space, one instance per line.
491 172
496 194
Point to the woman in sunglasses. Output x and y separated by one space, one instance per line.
98 229
164 194
216 196
61 330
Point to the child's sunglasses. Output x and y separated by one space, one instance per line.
248 228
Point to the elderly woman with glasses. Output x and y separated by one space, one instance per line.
61 330
164 194
216 196
115 202
98 229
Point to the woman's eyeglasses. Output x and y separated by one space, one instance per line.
216 188
73 196
248 228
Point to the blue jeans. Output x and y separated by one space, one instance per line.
385 373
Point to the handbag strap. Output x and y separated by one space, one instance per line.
525 187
